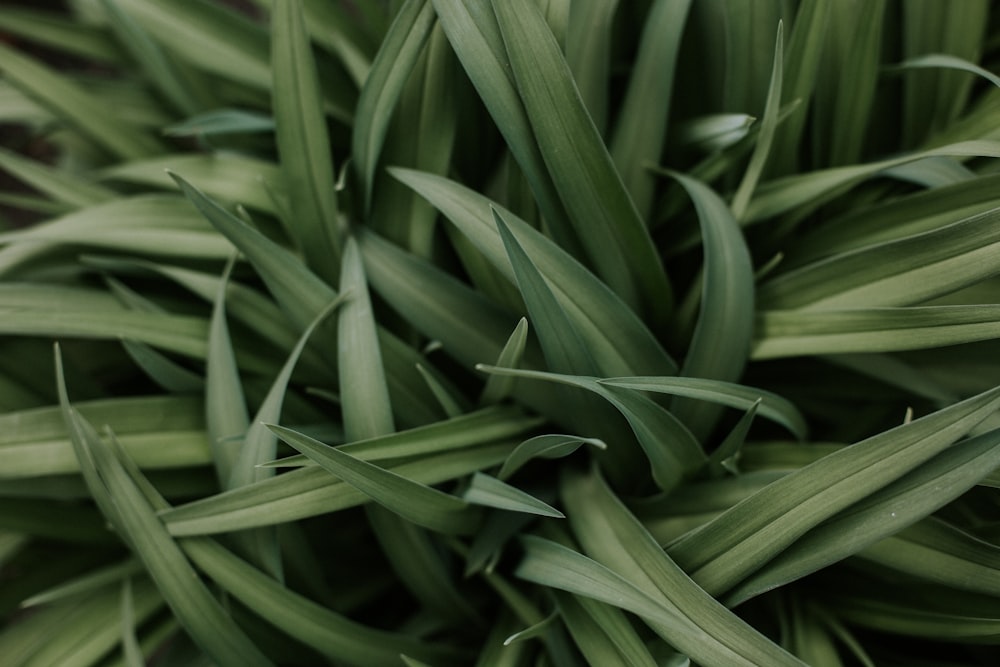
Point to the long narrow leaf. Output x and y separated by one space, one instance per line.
125 506
601 211
412 500
747 536
303 143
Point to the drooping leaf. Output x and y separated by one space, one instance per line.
550 445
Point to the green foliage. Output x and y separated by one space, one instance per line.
500 333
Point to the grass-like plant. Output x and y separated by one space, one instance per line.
500 333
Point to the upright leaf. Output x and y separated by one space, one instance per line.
638 135
719 347
303 143
601 211
392 66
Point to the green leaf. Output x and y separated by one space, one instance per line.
897 218
747 536
491 492
899 272
476 428
598 315
221 122
946 61
416 502
741 397
158 432
303 142
808 190
935 551
554 565
382 88
588 53
671 449
602 633
785 333
176 333
845 82
715 132
473 32
162 73
548 446
469 327
130 645
940 94
124 505
313 491
79 632
333 635
365 403
880 515
727 304
725 457
564 349
802 57
211 37
613 537
600 209
163 370
56 31
225 405
226 176
499 387
296 289
74 190
637 140
768 125
417 560
76 106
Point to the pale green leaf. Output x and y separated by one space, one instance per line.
747 536
785 333
741 397
491 492
412 500
313 491
613 537
548 446
499 387
889 510
365 403
76 106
